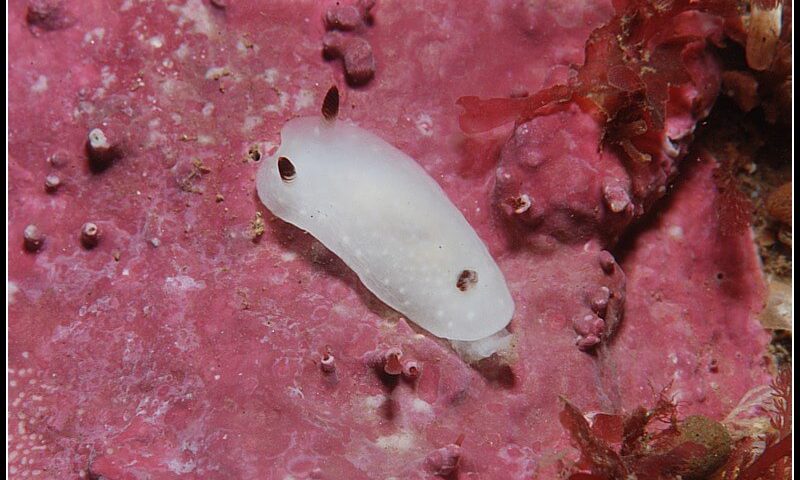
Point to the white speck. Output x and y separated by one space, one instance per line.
176 466
268 148
424 124
288 256
183 282
245 47
11 291
215 73
126 272
106 77
93 35
252 122
295 392
420 405
271 75
283 100
40 85
673 358
208 109
676 232
400 441
217 377
156 41
303 99
375 401
194 11
26 355
182 51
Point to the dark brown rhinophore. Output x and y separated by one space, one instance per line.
330 106
466 280
286 169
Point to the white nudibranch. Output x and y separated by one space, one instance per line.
387 219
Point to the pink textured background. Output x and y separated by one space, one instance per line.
198 358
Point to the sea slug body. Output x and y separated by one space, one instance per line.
388 220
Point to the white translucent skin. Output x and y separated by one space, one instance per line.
388 220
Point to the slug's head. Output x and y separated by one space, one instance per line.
283 177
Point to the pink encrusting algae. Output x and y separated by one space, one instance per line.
157 331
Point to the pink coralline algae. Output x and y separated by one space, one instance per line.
206 356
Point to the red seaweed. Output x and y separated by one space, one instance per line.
603 460
617 445
775 461
767 464
630 65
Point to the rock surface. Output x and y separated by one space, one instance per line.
188 342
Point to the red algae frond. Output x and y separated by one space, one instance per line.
631 63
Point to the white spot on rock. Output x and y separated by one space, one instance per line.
106 77
208 109
215 73
176 466
94 35
11 291
374 402
288 256
271 75
676 232
400 441
252 122
40 85
156 41
182 51
421 406
180 283
424 124
303 99
193 11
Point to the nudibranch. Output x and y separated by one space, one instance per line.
388 220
